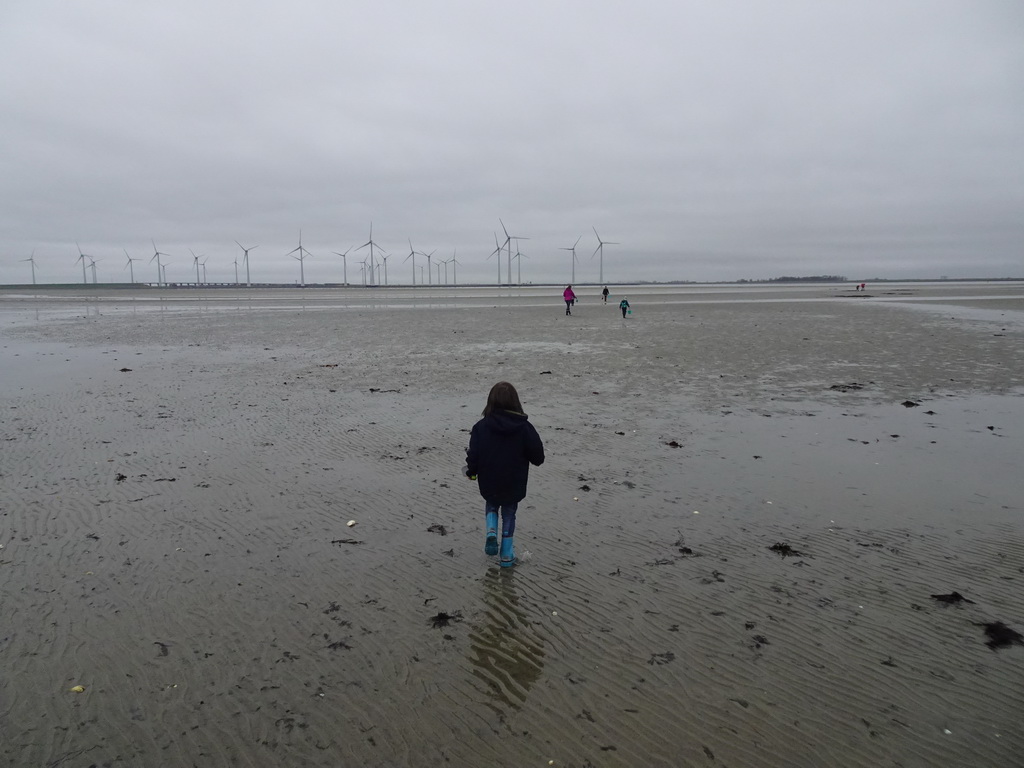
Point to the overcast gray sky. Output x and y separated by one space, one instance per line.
712 140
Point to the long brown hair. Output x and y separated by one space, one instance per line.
502 397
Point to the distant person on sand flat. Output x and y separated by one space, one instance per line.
502 446
624 306
604 293
570 299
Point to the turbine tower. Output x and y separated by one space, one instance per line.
574 259
508 242
159 268
455 273
344 264
245 258
428 255
130 267
519 264
303 253
372 245
82 257
32 260
600 249
497 252
412 255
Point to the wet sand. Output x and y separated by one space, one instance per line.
178 474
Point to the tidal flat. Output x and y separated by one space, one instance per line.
742 548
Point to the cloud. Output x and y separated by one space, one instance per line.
713 141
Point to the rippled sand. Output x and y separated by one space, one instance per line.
177 478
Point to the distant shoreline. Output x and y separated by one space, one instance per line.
406 286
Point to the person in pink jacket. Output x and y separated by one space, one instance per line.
570 299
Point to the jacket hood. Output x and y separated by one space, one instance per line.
508 421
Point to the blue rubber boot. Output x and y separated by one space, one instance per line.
508 552
491 545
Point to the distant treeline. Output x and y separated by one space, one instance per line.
805 279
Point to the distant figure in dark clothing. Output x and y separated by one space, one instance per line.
502 446
604 293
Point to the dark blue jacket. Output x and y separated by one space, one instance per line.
502 446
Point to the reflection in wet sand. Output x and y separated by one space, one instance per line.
505 650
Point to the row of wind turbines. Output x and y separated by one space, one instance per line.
370 267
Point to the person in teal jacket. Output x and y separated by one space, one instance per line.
624 305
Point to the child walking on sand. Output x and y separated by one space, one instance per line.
624 306
570 299
502 446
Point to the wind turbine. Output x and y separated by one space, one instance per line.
455 274
195 260
303 253
159 269
203 265
372 245
130 267
235 262
428 255
600 249
574 258
385 258
92 266
245 258
344 262
362 271
82 257
519 264
163 270
497 252
508 242
412 255
32 260
452 262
